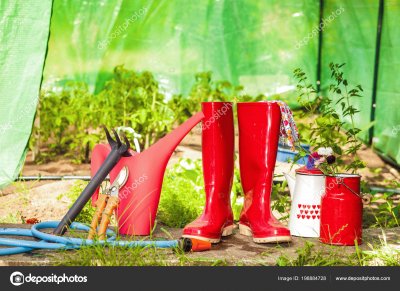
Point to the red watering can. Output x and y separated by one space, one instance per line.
139 198
341 211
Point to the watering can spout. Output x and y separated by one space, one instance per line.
291 183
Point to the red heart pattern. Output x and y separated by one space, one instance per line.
307 212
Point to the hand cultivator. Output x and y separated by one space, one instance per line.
118 150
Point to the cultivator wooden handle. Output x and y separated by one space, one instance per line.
100 205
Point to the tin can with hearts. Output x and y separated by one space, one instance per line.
341 210
306 191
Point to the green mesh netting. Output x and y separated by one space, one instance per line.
387 128
350 38
248 42
24 29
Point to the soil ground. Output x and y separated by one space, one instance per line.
43 200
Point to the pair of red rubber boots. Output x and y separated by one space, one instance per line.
259 125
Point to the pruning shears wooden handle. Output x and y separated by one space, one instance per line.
112 204
100 206
105 206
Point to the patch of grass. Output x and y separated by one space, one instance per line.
383 254
137 256
307 256
185 260
387 214
114 256
12 218
383 212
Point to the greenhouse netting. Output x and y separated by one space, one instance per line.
253 43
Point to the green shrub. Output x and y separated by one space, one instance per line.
68 121
203 89
182 197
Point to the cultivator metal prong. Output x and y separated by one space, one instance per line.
109 138
126 140
118 141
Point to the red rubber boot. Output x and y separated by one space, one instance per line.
218 160
259 124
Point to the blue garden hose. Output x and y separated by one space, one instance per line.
50 241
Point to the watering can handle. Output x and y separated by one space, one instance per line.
340 182
366 199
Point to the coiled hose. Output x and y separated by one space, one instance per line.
53 242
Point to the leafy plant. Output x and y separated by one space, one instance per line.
387 214
68 120
204 89
134 100
328 129
182 197
237 196
281 199
63 123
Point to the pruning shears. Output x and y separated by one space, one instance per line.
106 204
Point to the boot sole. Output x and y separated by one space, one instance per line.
225 232
245 230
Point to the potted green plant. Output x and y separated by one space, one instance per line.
333 131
